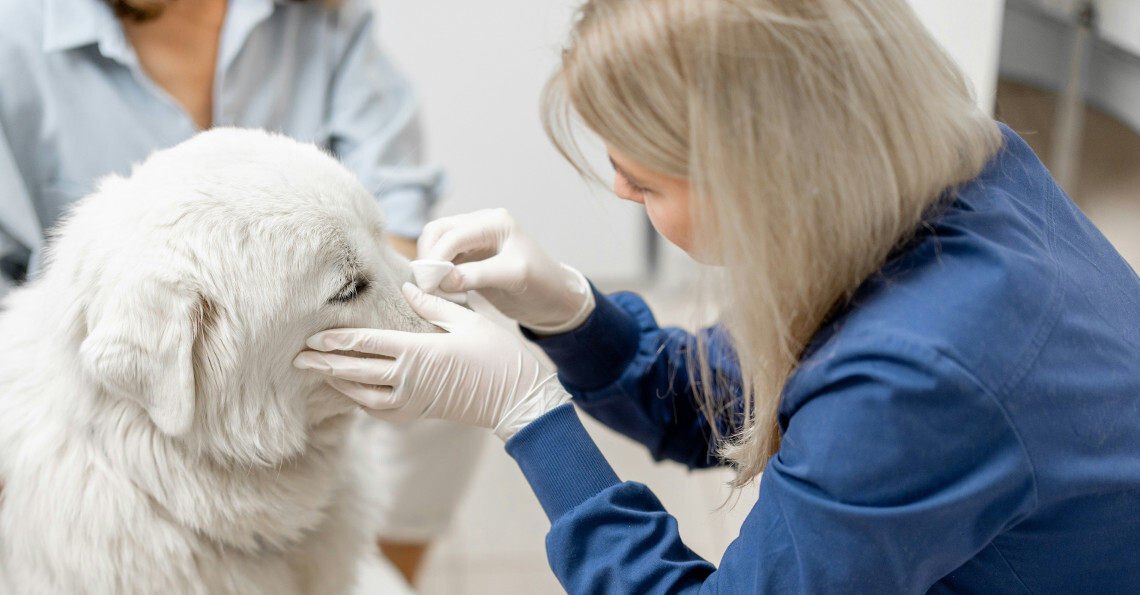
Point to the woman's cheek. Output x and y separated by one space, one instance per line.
669 223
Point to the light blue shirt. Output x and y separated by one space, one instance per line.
75 105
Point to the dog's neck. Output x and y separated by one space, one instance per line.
255 508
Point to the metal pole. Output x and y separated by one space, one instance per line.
1070 117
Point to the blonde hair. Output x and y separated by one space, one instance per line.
814 135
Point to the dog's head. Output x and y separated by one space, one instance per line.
200 276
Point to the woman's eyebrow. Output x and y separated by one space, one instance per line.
633 181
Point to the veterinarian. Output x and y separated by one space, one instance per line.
88 87
929 352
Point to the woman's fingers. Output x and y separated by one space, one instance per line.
436 310
386 343
366 370
431 234
502 272
381 402
368 396
482 231
455 238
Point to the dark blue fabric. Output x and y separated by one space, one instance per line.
563 486
634 376
970 423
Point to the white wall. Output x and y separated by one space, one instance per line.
480 67
971 31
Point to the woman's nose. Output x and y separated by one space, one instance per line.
624 192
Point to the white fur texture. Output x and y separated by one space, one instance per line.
154 436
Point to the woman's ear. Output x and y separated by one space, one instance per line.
140 347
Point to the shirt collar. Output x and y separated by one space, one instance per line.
242 17
70 24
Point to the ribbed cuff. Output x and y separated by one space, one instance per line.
597 352
560 461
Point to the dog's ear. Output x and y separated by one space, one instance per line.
140 346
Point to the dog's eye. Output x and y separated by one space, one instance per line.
350 291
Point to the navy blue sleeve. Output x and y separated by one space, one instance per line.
896 468
606 536
635 377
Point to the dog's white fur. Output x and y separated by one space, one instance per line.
154 436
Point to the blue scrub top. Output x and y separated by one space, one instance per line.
75 106
969 423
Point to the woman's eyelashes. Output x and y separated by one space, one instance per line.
637 188
628 189
633 187
629 185
350 291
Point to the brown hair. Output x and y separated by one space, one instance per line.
145 10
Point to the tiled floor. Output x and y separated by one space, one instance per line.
496 542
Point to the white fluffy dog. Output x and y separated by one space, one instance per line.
154 436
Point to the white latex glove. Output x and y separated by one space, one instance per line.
476 373
508 267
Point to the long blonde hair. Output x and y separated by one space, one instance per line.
814 135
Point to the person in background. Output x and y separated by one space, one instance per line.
928 357
88 87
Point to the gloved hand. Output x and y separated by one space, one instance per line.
509 268
476 373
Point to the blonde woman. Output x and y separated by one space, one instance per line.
929 352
